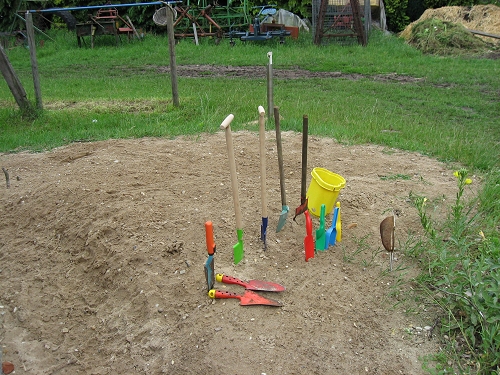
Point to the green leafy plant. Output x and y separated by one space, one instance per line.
397 176
463 277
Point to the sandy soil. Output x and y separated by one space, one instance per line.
102 253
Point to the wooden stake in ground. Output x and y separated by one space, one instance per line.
34 62
171 49
387 229
7 178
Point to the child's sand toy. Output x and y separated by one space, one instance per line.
323 189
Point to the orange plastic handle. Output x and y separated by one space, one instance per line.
209 231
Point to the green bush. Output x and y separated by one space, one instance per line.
396 12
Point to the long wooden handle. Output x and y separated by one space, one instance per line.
305 131
262 138
226 125
280 154
227 122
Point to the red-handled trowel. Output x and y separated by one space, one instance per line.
247 298
209 264
265 286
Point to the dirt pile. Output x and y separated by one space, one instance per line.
485 18
102 252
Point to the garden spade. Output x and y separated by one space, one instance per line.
320 232
308 240
209 265
284 207
238 251
246 299
265 286
387 228
262 139
303 199
331 233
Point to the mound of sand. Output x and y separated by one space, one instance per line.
102 253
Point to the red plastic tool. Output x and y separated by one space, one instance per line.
266 286
308 240
248 298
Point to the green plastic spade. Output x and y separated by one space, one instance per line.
238 251
321 233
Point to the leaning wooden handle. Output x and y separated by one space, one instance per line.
262 144
227 121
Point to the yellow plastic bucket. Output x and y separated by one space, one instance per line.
323 189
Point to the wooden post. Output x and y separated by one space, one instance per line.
368 18
358 25
320 22
270 93
15 85
171 49
133 28
34 63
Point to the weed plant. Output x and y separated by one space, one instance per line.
461 273
433 36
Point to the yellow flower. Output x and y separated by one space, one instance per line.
455 174
468 181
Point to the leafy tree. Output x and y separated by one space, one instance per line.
7 16
397 18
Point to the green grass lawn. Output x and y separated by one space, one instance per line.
451 113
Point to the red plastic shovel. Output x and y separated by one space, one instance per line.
266 286
247 298
308 240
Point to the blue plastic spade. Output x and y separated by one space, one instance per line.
331 233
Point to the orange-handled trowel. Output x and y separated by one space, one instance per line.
209 264
266 286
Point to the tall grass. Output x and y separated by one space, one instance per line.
462 276
450 112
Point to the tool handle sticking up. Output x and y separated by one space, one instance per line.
209 233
